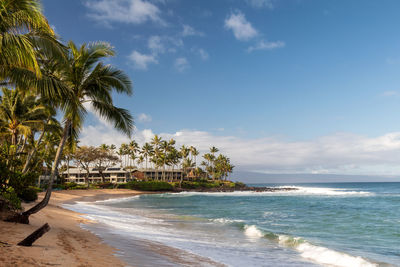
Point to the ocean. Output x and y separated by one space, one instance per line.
338 224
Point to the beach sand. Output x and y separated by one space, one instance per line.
66 244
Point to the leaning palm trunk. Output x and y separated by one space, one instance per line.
24 217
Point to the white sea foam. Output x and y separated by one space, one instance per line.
117 200
330 257
252 232
298 191
323 255
301 190
225 221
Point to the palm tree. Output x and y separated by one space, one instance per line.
91 81
120 152
20 114
156 141
140 161
24 34
124 150
209 165
147 151
194 152
173 158
133 149
213 150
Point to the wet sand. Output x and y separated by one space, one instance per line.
66 244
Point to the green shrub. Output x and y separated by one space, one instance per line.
12 198
28 194
122 186
150 186
78 187
239 185
70 185
105 185
59 187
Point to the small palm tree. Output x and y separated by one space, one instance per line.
133 149
194 152
147 151
156 142
20 114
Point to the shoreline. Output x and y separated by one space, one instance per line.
69 244
66 244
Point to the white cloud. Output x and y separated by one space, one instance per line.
200 52
241 28
190 31
141 61
390 93
341 153
181 64
261 3
266 45
142 117
161 44
124 11
155 44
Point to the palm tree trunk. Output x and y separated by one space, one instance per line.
32 153
24 217
14 137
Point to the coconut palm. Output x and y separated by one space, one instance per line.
147 151
133 149
124 151
173 159
140 161
25 39
19 114
90 81
194 152
51 124
156 142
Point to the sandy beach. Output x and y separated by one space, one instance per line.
66 244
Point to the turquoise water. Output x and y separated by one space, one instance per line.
347 224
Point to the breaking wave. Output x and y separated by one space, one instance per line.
318 254
296 191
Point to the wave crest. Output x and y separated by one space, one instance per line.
318 254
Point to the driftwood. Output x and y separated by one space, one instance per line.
27 242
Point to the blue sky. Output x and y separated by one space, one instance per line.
297 86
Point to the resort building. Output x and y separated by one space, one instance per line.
157 174
113 175
121 175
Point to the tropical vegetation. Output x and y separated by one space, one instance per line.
46 88
41 77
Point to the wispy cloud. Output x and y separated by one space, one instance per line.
124 11
142 117
181 64
342 153
142 61
200 52
266 45
156 45
161 44
390 93
261 3
241 28
190 31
